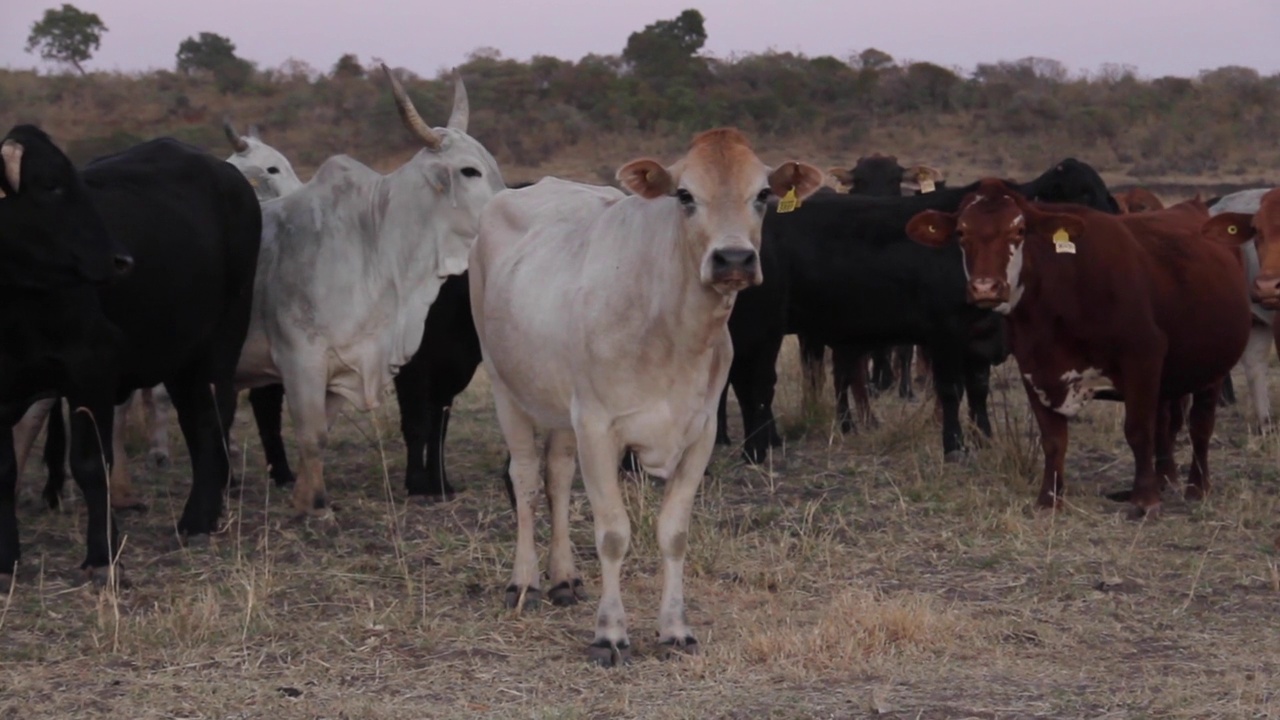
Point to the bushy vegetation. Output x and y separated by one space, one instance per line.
1011 117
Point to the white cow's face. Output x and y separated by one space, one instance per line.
267 170
721 189
464 177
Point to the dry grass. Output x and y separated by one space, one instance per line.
856 577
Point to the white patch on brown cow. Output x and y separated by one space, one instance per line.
1013 275
1044 397
1081 387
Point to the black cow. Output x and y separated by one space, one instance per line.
842 270
190 226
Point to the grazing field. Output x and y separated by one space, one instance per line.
858 576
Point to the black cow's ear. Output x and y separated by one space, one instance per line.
932 228
1229 228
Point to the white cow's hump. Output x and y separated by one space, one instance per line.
1245 201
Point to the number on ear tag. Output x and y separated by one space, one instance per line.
789 202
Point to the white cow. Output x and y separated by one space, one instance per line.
1258 351
269 172
349 266
603 320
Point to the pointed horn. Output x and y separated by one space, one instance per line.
409 115
233 137
11 151
461 106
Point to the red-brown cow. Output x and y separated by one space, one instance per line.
1137 308
1138 200
1233 228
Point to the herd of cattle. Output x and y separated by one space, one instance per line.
613 322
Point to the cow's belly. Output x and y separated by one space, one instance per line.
1065 385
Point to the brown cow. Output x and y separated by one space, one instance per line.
1137 308
1138 200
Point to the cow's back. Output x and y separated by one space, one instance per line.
526 270
193 225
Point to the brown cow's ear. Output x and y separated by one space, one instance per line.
1052 225
1229 228
803 177
844 177
646 178
932 228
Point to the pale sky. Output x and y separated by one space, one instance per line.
1169 37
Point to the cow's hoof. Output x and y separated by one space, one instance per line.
1048 505
1144 512
567 593
607 653
158 460
52 501
677 647
126 505
431 498
101 577
6 583
532 598
1195 493
723 440
954 456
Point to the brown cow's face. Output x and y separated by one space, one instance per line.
993 229
1264 228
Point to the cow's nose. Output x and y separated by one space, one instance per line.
733 260
1267 288
984 287
122 264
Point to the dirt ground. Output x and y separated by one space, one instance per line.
857 576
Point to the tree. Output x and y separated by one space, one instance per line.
666 47
67 35
348 66
213 53
873 59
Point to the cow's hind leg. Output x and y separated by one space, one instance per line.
1203 416
561 455
524 590
308 406
196 404
1053 441
673 541
268 404
599 456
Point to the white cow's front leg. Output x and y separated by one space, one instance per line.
517 430
120 483
600 456
562 461
155 418
1254 360
308 406
673 540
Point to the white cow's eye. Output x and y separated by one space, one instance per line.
470 172
763 195
684 196
273 170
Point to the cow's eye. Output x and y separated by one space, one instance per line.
470 172
684 196
763 195
273 170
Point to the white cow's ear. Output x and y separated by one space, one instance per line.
646 178
441 178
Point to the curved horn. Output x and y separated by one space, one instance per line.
11 151
461 107
233 137
409 115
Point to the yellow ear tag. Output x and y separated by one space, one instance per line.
1062 242
927 186
1232 229
789 202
